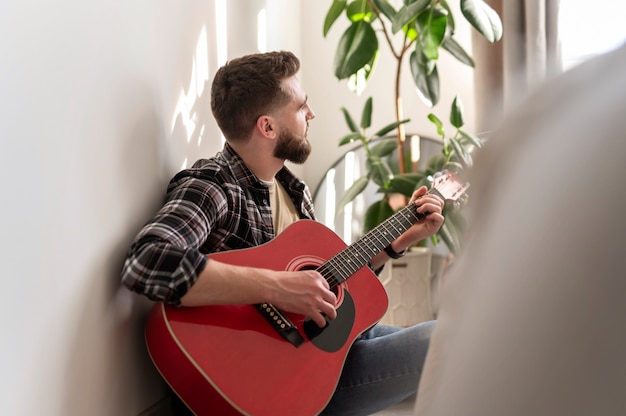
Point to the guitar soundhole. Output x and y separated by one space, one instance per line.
335 287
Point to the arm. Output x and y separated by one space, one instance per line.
165 263
305 292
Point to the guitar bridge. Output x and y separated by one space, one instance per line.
280 323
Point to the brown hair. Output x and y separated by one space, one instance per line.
247 87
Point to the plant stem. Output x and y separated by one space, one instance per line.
399 109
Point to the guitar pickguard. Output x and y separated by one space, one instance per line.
336 332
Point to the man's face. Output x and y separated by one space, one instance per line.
292 143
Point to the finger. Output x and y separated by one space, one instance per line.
318 276
328 308
430 208
422 190
319 319
435 219
330 297
321 316
430 198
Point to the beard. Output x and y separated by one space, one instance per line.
291 147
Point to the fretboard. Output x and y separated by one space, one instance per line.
345 263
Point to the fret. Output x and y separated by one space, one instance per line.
352 258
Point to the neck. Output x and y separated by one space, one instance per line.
260 161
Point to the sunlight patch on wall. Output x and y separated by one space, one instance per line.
187 99
261 36
349 179
331 203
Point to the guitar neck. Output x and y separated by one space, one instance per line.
345 263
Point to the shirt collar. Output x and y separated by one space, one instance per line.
247 179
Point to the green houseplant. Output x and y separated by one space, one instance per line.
419 29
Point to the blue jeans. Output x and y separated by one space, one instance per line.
382 368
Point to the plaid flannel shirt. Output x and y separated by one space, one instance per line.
218 204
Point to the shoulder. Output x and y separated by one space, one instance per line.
201 183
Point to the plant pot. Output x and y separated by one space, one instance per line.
408 282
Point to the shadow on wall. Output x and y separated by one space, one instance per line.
109 362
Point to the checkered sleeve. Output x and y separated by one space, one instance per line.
164 260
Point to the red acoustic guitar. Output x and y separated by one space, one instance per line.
257 360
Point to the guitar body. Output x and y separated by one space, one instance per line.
223 360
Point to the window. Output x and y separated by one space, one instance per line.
590 28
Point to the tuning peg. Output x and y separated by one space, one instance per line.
462 200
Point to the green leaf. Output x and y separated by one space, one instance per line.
427 83
390 127
474 139
360 10
453 166
456 50
358 81
456 113
433 24
357 47
384 147
455 218
435 163
410 32
435 120
385 8
378 170
406 183
484 19
378 212
349 121
407 13
351 137
355 189
451 22
449 238
333 13
462 155
366 114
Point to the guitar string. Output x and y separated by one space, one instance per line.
367 247
406 217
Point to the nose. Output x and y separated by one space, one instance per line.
310 113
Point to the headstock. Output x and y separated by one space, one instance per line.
449 187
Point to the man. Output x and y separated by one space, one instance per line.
243 197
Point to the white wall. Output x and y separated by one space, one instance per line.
101 102
89 90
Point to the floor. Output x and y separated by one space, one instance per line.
404 408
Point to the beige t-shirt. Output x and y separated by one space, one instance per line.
284 212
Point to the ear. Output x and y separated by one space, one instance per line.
266 126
